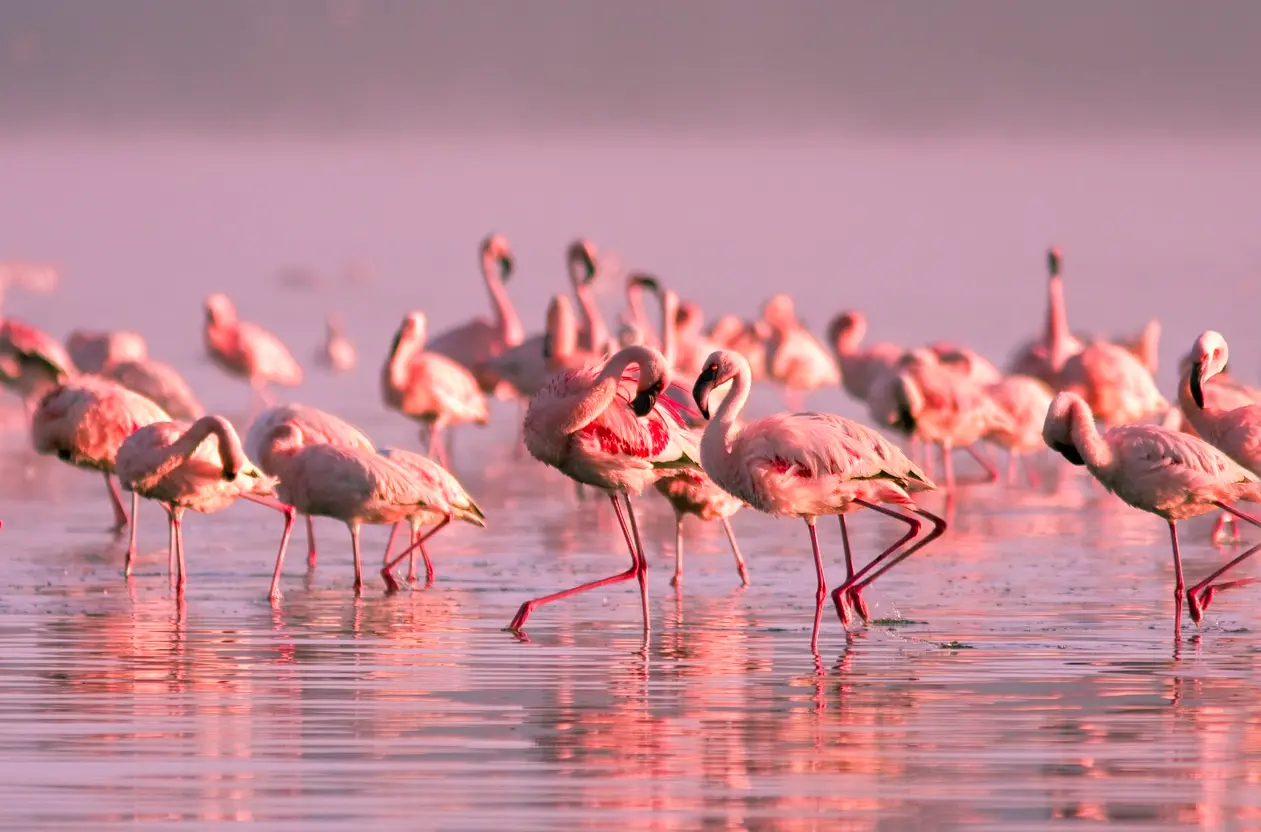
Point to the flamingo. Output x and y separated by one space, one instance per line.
794 357
807 465
159 382
748 339
583 261
1169 474
429 387
84 422
860 366
1234 430
1026 400
1043 357
475 343
691 491
636 317
347 484
92 351
587 424
967 362
313 427
445 500
337 353
247 350
175 464
1115 384
940 406
32 362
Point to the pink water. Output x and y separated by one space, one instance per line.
1023 673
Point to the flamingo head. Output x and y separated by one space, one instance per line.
721 367
1057 429
779 311
495 247
1053 261
412 330
849 326
639 280
219 309
582 259
1209 355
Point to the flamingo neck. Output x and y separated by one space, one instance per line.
507 322
603 392
593 318
1057 332
1092 447
1203 419
231 454
669 326
405 348
639 317
562 331
721 431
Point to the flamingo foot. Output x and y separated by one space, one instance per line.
391 583
842 608
677 580
744 575
859 605
1196 604
518 620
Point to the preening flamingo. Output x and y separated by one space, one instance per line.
1026 400
160 382
807 465
84 422
1169 474
940 407
93 351
312 426
794 357
429 387
247 350
475 343
445 500
588 424
1115 384
347 484
337 353
32 362
860 365
200 467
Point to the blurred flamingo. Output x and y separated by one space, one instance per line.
248 351
337 353
93 350
860 366
32 362
794 357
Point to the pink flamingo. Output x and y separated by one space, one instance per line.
475 343
860 366
636 317
967 362
445 500
84 422
748 339
1026 400
174 464
807 465
1172 475
247 350
587 424
312 427
32 362
939 406
1115 384
691 491
794 357
92 351
347 484
337 353
429 387
159 382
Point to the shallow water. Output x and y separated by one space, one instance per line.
1023 673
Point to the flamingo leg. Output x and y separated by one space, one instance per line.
1219 530
116 500
678 550
1178 583
170 541
181 579
414 540
991 473
518 621
389 544
822 592
735 550
418 542
291 517
131 541
354 547
310 542
869 573
1201 595
1012 467
839 594
849 557
643 563
939 528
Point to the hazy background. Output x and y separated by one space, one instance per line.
912 159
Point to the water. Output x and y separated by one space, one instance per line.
1023 674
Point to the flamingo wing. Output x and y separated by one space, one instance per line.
269 355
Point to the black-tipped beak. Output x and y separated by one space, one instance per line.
1053 262
230 474
904 421
705 384
1197 383
648 282
506 265
547 346
1069 452
646 400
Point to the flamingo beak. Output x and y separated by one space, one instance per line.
1197 383
705 384
1069 452
646 400
506 265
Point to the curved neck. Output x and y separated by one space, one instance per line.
1094 451
507 323
1057 332
562 332
719 433
597 330
1203 419
639 317
603 393
849 338
231 454
669 326
405 347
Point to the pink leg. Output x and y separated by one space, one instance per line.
991 473
869 573
1012 465
1201 595
310 542
851 580
677 580
131 538
1178 584
116 500
291 517
822 592
354 547
418 542
735 550
1219 530
841 609
389 544
181 579
528 607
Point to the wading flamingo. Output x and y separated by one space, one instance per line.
807 465
337 353
1172 475
84 422
588 424
691 491
860 366
200 467
445 500
92 351
1044 356
1026 400
429 387
347 484
32 362
313 427
247 350
475 343
794 357
1235 431
1115 384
